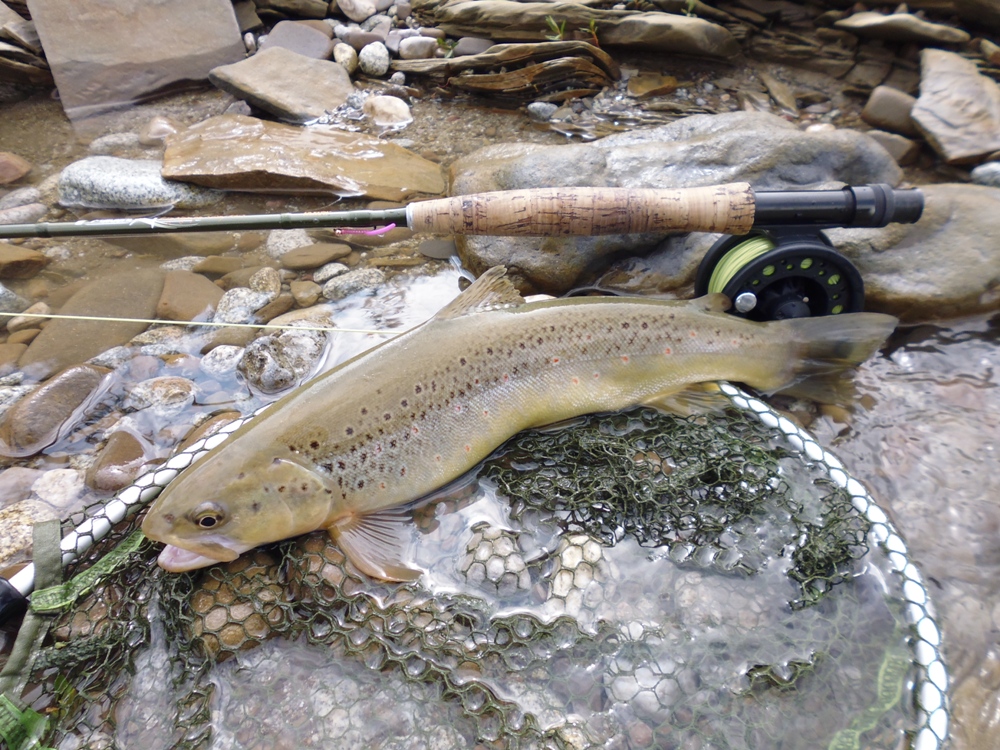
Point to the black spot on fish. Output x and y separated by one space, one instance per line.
328 491
241 475
281 488
364 410
361 484
341 465
462 361
293 449
489 350
340 480
392 443
314 444
304 487
402 471
255 506
404 403
539 340
625 325
387 416
349 430
521 345
418 389
645 326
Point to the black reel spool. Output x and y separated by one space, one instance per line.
775 274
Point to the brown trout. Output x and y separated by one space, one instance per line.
349 450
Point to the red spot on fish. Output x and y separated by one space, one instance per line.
506 377
458 409
735 342
668 350
555 360
625 358
486 412
693 334
477 381
576 381
468 448
437 458
597 375
416 430
381 485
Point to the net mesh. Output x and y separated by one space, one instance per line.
634 580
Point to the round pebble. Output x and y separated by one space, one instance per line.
987 174
374 60
541 111
360 280
346 56
221 362
388 111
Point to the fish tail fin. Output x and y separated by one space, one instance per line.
825 347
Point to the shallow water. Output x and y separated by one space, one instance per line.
924 439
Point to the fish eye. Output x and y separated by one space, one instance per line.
208 515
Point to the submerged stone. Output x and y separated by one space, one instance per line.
236 152
112 182
118 463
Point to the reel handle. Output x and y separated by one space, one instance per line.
588 211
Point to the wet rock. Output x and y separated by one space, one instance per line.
889 108
118 462
10 301
217 265
651 84
901 27
418 47
114 144
958 110
95 64
505 20
155 132
23 214
243 153
187 296
305 293
295 8
238 278
20 197
388 111
111 182
19 262
356 10
266 280
52 410
291 86
360 280
221 362
187 243
439 249
944 265
12 167
15 484
763 149
976 705
541 111
16 521
24 336
314 255
10 352
346 56
328 271
59 489
239 305
358 38
302 38
21 322
283 359
373 59
471 45
129 294
165 397
281 241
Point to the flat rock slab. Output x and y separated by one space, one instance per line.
944 265
507 20
97 65
760 148
290 86
112 182
129 294
958 110
236 152
901 27
301 37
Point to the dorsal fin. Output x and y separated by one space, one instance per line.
490 291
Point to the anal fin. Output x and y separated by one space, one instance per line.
376 543
699 398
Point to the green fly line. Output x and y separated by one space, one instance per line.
195 323
736 259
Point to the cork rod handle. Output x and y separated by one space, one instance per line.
586 211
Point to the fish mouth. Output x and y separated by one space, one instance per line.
176 559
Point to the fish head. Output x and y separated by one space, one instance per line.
213 513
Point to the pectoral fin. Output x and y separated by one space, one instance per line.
376 543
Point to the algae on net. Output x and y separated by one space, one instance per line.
638 580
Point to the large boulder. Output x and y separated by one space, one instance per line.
756 147
97 66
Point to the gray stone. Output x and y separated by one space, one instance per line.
281 241
958 110
113 144
418 47
243 153
96 65
59 489
20 197
164 398
901 27
942 266
282 360
762 149
541 111
359 280
239 305
221 362
328 271
286 84
396 36
471 45
110 182
380 25
358 38
987 174
388 111
301 38
373 59
901 148
15 484
11 301
26 214
889 109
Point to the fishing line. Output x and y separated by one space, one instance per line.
195 323
736 259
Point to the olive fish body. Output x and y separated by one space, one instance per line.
347 450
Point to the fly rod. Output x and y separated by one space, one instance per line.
547 212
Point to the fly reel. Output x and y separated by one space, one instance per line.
777 274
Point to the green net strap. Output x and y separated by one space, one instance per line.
892 675
21 728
